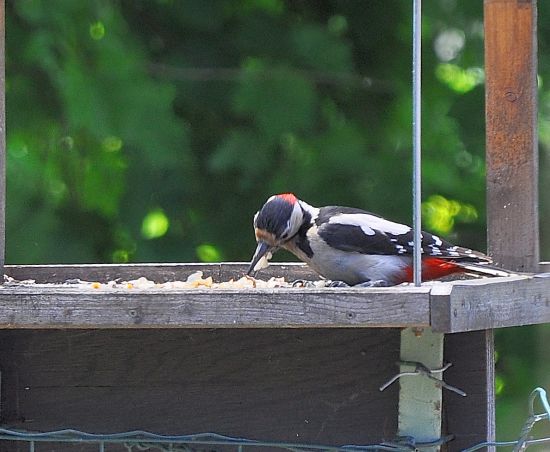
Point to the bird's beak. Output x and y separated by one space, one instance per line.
262 249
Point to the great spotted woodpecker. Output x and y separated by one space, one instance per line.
352 246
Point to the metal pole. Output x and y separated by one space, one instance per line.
417 157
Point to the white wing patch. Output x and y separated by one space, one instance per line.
370 223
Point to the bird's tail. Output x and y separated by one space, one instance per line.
484 269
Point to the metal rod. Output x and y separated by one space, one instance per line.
417 157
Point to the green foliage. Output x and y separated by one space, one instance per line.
155 224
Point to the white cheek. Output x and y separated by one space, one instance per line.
295 220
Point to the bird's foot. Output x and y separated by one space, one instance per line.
375 283
330 283
303 283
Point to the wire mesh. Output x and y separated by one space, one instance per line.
139 440
523 441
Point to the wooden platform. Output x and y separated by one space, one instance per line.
448 307
276 364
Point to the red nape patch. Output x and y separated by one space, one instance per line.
433 268
288 197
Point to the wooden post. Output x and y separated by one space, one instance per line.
2 136
512 144
511 117
472 418
419 397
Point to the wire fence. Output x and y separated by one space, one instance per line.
139 440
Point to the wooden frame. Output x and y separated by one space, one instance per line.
446 307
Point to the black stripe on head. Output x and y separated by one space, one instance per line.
274 216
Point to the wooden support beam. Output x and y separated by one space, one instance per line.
419 397
472 418
511 121
512 169
2 135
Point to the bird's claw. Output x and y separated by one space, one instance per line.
303 283
337 284
375 283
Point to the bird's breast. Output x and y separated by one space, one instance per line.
350 267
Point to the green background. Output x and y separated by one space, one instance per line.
151 131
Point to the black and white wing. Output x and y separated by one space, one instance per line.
355 230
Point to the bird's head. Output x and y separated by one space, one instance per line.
278 221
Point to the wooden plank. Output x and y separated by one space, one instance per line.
447 307
65 307
472 418
511 124
311 386
490 303
510 28
156 272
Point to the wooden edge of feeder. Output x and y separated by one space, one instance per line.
490 303
158 272
68 307
457 306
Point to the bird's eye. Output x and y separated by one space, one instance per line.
285 235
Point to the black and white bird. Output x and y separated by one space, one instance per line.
349 245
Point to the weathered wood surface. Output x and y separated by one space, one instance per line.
510 29
472 418
311 386
156 272
511 132
64 307
456 306
2 134
490 303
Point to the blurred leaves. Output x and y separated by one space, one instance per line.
99 123
155 224
208 253
441 213
458 79
207 108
